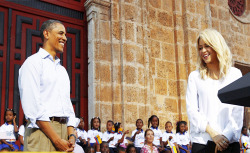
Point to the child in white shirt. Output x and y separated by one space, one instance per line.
10 128
245 139
82 135
182 138
154 121
94 131
138 135
108 137
168 138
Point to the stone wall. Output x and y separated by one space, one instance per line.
141 52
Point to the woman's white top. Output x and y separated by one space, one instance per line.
204 107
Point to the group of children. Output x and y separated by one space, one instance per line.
117 140
114 138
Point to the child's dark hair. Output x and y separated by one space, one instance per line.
81 118
117 126
24 121
139 120
151 118
7 109
121 149
89 149
169 122
110 121
178 125
244 127
92 121
129 147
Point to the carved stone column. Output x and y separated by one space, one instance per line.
98 18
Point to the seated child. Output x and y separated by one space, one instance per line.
138 135
154 121
168 139
82 135
108 137
245 139
120 136
94 132
21 133
182 138
11 129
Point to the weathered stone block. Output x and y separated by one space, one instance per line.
130 74
161 86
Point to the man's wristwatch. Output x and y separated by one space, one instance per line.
71 136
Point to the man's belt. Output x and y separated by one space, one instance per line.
62 120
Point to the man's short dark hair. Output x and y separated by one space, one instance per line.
48 25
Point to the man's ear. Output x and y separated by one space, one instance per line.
46 34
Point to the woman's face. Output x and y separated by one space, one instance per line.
149 136
207 53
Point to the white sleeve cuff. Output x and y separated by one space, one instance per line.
72 121
228 134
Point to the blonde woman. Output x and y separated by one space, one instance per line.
213 125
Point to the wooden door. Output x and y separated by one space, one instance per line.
20 23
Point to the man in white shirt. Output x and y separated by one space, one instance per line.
45 94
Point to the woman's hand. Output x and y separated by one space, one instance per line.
221 142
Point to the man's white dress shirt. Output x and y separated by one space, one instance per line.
44 87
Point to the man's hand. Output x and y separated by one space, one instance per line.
170 137
221 142
62 145
71 144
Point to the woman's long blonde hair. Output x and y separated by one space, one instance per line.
215 40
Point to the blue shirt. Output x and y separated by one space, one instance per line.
45 89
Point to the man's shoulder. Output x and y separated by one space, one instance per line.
33 59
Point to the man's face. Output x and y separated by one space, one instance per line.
57 37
